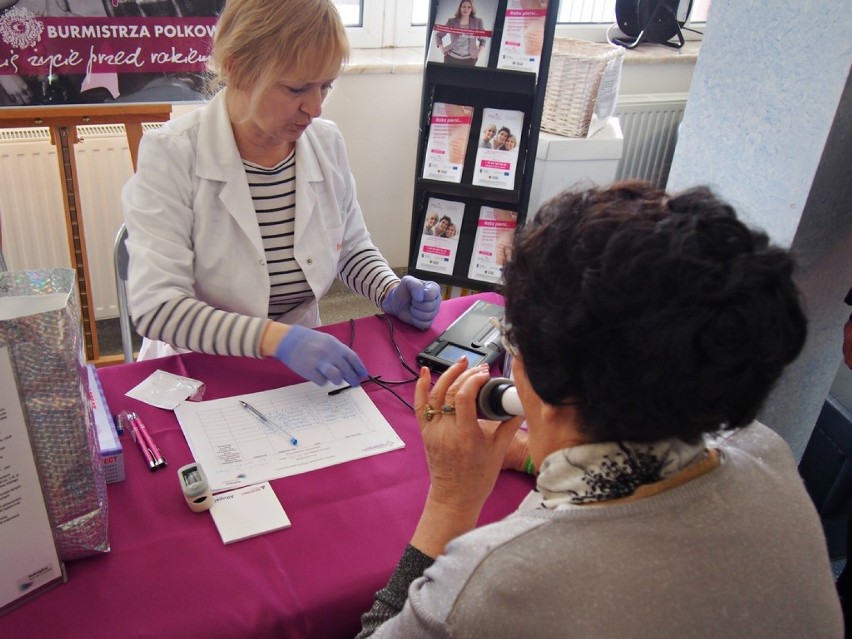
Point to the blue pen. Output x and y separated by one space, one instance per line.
263 418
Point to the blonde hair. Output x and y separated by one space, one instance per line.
259 41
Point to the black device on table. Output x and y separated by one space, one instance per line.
473 334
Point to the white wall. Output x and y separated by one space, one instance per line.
378 115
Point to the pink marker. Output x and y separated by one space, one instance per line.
159 460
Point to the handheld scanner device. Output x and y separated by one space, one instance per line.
472 335
498 399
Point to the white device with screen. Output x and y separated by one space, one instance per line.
196 489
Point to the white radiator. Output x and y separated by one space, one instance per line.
649 123
31 203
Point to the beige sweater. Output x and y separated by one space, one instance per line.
736 552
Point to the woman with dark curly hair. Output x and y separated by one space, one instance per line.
647 330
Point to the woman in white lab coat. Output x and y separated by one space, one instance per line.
242 213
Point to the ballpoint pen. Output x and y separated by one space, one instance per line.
136 436
263 418
149 441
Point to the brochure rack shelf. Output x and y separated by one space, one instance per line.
476 184
499 81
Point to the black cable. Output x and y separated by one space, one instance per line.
351 332
377 379
396 347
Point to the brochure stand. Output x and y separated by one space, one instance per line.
483 94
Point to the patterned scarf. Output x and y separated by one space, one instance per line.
599 472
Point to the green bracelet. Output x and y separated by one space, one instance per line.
529 467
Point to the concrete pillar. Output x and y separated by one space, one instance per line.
768 125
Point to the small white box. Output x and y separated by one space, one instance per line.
563 162
112 455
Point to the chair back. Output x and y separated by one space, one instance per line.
120 261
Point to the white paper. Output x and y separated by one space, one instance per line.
494 234
27 550
523 35
236 449
607 96
439 241
449 130
165 390
497 158
248 512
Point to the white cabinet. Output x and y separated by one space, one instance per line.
563 162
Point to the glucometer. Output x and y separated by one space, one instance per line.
196 489
473 335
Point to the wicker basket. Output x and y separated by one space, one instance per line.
583 81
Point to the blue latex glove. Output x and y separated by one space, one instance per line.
319 357
414 301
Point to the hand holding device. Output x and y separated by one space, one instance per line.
319 357
414 301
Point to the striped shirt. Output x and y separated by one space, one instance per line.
186 322
273 192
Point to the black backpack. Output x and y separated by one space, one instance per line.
656 21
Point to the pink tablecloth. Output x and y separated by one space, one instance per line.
168 573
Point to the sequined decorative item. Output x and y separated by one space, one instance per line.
49 361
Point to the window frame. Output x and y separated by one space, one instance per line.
370 34
386 23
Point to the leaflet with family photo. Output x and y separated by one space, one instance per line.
463 32
494 234
439 241
449 129
497 152
523 35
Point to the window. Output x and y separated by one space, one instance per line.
402 23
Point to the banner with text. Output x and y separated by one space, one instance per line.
146 52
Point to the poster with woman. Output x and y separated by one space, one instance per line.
449 129
523 35
497 154
494 234
439 241
462 33
55 52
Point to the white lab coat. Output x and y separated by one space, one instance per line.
192 227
